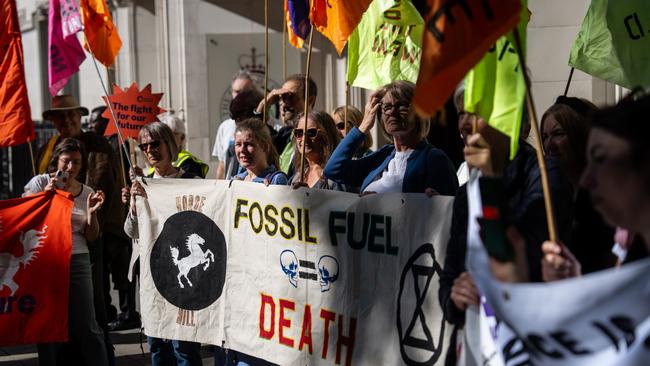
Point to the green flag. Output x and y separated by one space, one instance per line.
495 87
614 42
386 45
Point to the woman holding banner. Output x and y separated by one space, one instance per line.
256 154
410 164
69 158
319 136
159 147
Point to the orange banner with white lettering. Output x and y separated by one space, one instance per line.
457 35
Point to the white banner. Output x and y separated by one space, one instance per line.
306 277
599 319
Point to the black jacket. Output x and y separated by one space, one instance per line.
526 211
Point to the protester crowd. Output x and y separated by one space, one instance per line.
597 160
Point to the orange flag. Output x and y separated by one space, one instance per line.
457 35
337 19
100 31
16 126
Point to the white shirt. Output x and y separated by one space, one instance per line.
79 213
462 173
225 133
392 178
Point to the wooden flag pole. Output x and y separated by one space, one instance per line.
266 59
304 135
284 47
550 218
566 90
31 155
347 103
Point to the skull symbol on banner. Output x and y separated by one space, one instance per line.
289 263
328 268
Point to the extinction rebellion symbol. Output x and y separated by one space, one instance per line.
417 344
188 261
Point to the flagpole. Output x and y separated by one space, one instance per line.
566 90
108 102
266 58
548 204
31 155
304 135
347 103
284 47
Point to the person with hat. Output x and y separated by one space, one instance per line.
100 172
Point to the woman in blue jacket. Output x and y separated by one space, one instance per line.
410 164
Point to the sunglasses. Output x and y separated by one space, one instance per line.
311 133
153 145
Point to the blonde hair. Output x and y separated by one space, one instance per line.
355 117
161 132
330 135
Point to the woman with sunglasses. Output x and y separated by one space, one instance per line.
319 136
256 154
69 158
354 120
159 147
410 164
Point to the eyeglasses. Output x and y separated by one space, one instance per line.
400 107
311 133
341 126
153 145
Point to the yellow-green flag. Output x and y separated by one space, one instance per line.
495 87
386 45
614 42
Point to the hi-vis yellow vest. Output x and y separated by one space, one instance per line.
183 155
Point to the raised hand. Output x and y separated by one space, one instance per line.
95 201
370 114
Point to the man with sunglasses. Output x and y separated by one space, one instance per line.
291 97
101 173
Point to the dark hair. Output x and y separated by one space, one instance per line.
100 121
261 134
403 91
68 145
629 121
244 104
161 132
300 80
572 115
330 137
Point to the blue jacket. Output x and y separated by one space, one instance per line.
427 167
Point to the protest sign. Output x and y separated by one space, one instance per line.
386 46
35 247
599 319
295 277
613 42
457 34
133 108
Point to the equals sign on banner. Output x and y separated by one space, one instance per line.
308 270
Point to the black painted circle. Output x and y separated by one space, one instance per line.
404 340
206 283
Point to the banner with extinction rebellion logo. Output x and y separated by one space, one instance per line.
295 277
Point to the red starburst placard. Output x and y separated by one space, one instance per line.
133 109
